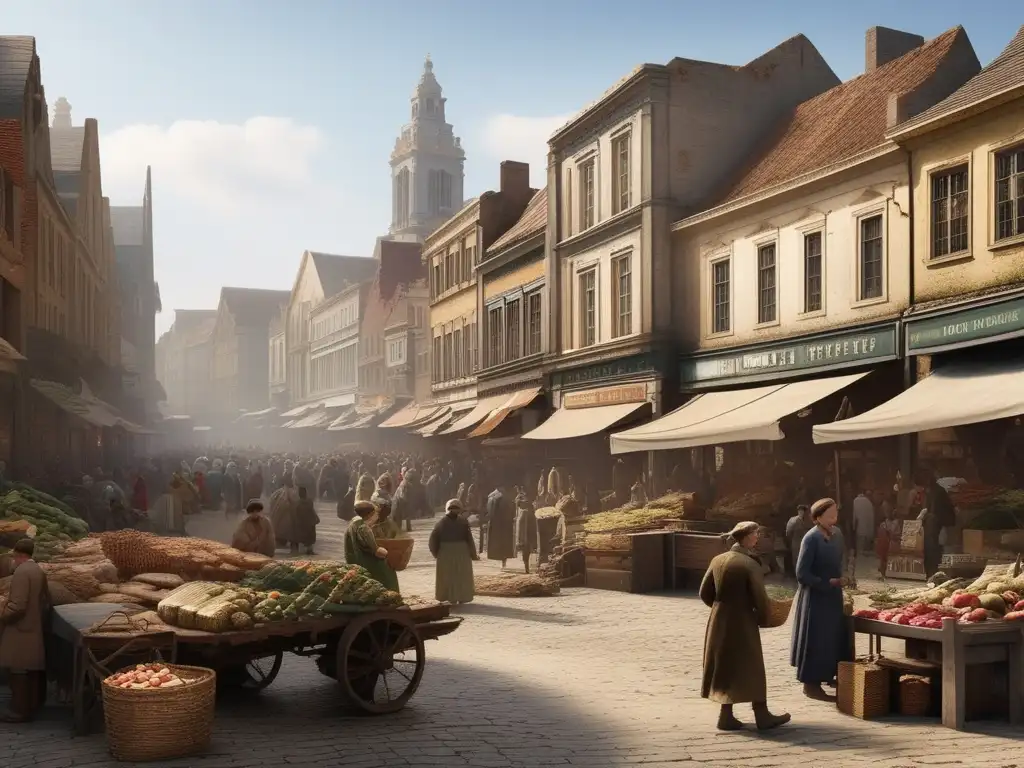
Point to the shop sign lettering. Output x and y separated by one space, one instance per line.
613 369
841 349
965 327
612 396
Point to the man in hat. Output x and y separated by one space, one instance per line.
255 533
733 588
23 634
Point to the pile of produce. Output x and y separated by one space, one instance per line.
676 501
208 607
54 522
546 512
741 505
134 552
625 520
996 594
607 541
146 676
513 585
1003 511
968 496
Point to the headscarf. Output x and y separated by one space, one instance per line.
231 469
453 507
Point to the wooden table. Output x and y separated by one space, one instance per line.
961 645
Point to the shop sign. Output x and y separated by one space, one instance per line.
823 352
966 327
613 369
905 567
635 393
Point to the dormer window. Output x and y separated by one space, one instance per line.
430 106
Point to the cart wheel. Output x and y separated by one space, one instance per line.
380 662
255 675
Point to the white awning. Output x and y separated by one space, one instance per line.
567 423
340 401
478 414
950 397
715 418
297 411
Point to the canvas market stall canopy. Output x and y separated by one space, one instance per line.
513 403
412 415
731 416
479 412
952 396
582 413
84 405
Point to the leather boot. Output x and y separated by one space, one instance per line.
39 691
766 720
815 691
727 720
20 710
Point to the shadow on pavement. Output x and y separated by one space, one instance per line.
513 613
461 715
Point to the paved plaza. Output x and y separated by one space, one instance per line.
588 678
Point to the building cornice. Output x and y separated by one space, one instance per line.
967 111
889 147
609 102
452 228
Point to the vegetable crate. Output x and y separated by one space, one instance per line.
641 568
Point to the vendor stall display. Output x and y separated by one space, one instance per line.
515 585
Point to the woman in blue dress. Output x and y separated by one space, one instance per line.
820 636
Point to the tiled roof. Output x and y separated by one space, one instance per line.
253 306
1006 71
338 272
186 319
844 121
533 220
16 54
66 148
127 221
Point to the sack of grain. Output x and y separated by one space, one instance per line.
115 597
159 580
145 593
75 578
61 595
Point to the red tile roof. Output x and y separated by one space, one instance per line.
844 121
533 220
1005 72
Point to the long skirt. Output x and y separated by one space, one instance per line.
454 579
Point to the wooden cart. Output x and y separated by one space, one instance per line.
949 652
377 655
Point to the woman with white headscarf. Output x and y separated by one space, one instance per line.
451 544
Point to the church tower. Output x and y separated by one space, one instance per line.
426 165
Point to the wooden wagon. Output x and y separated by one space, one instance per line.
376 655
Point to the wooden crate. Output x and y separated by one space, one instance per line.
694 550
641 568
977 542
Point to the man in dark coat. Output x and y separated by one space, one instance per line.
23 621
733 588
501 525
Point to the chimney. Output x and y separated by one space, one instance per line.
515 178
62 113
882 45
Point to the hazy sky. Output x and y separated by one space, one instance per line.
269 124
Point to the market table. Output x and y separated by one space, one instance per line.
958 646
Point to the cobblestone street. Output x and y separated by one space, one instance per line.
588 678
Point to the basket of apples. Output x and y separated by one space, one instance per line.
159 711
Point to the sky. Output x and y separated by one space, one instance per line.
269 125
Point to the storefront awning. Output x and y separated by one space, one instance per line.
519 399
566 423
86 406
716 418
257 414
949 397
340 401
8 352
438 422
297 411
475 416
318 418
412 415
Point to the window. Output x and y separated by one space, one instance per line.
588 308
7 204
1010 193
403 198
812 272
620 172
513 329
568 202
458 356
871 257
471 349
494 332
449 270
533 323
766 284
439 190
949 212
587 195
622 296
720 288
449 356
435 361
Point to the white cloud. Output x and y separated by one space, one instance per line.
512 137
222 165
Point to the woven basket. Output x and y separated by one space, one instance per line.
161 723
399 552
778 612
915 695
862 689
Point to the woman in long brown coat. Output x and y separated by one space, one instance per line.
734 672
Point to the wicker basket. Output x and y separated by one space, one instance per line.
778 611
399 552
862 689
161 723
915 695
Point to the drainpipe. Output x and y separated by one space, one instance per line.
908 443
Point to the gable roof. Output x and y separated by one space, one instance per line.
127 222
66 145
187 319
253 306
16 54
338 272
1003 76
844 121
401 265
533 220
